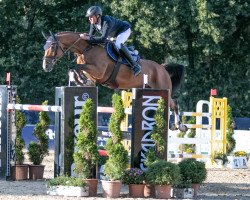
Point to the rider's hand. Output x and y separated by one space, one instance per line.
84 36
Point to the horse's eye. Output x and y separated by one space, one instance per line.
53 47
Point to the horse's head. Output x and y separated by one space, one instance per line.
53 52
58 45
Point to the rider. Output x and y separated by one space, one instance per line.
110 27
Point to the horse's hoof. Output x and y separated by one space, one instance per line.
183 128
173 127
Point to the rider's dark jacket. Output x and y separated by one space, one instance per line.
110 27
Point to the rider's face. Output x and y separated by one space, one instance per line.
93 19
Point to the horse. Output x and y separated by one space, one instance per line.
99 67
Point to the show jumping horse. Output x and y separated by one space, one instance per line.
100 68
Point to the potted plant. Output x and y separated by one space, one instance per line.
220 158
117 155
157 135
67 186
38 150
194 171
19 171
86 154
238 160
183 190
163 175
241 154
135 179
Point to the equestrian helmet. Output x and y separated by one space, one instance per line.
94 10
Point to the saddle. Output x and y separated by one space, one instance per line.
114 55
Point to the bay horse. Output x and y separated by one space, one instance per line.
98 66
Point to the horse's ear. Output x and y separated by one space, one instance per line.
53 35
45 36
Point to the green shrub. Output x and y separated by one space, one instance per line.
221 156
230 144
19 141
163 173
66 181
86 154
37 151
117 154
157 134
193 170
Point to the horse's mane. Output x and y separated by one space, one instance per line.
65 32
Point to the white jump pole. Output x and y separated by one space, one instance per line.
34 107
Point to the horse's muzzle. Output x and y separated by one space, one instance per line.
47 65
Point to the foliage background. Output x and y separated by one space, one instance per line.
210 38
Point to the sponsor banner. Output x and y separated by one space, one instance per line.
143 110
67 122
3 131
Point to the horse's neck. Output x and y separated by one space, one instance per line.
73 42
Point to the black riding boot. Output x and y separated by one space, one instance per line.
135 66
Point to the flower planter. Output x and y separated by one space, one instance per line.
196 187
163 191
19 172
92 184
219 163
239 162
36 172
149 191
111 189
183 193
70 191
136 190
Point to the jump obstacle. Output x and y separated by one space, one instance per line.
205 146
69 101
216 115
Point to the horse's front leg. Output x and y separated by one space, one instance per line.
79 76
177 125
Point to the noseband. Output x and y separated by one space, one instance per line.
54 47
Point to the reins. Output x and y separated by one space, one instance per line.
66 51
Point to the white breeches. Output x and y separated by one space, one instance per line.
122 38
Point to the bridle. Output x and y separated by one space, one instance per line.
54 47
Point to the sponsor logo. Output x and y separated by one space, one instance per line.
78 103
149 106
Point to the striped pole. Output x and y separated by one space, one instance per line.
206 126
188 156
194 114
34 107
111 110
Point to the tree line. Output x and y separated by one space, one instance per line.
210 38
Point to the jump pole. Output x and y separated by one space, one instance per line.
34 107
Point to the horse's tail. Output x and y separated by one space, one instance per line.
176 73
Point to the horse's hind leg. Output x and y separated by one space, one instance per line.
177 124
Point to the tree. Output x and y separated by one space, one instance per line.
38 150
19 141
210 38
117 154
86 154
230 131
